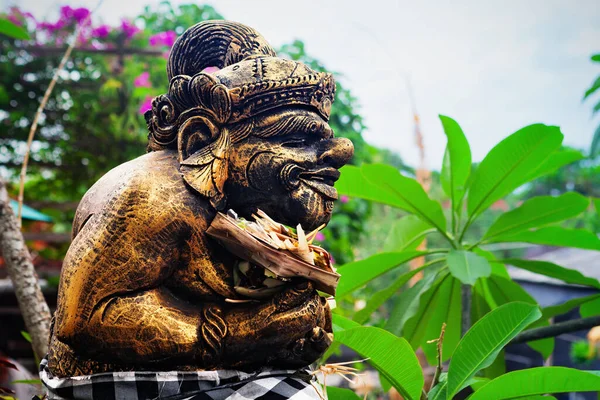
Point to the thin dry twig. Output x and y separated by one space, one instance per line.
41 107
342 369
438 369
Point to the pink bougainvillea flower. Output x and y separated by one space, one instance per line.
52 27
166 39
331 259
101 32
80 14
129 29
344 199
146 105
66 12
143 80
15 20
154 40
43 26
210 70
319 237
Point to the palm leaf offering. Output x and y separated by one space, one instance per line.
272 254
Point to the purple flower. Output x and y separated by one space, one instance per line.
319 237
66 12
15 20
101 32
80 14
143 80
331 259
52 27
146 105
163 39
211 70
344 199
129 29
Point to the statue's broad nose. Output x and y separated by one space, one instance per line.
336 152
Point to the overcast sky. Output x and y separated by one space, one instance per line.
493 66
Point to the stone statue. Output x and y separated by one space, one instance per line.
143 287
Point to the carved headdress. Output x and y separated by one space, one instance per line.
196 116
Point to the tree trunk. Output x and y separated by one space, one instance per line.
33 306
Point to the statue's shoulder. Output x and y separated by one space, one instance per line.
141 182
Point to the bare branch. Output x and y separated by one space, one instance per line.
42 105
29 295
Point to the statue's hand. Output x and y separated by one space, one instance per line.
290 330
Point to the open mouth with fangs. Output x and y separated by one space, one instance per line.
321 181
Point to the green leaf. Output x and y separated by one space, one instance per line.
382 296
554 271
341 323
595 57
557 160
385 384
359 273
335 393
390 355
497 269
507 165
555 236
497 368
590 308
538 211
553 311
406 234
486 338
477 382
353 183
450 314
468 266
538 380
415 328
595 86
457 162
26 336
11 30
407 191
439 392
479 304
596 202
501 291
407 305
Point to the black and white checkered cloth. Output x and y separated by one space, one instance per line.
266 384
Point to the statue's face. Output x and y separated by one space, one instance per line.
287 168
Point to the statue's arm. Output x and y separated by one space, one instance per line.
156 326
113 302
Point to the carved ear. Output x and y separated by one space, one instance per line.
203 153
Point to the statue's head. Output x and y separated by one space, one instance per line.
253 134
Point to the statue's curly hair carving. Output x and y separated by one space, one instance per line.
206 44
251 81
215 44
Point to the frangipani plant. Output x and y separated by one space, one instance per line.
464 282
